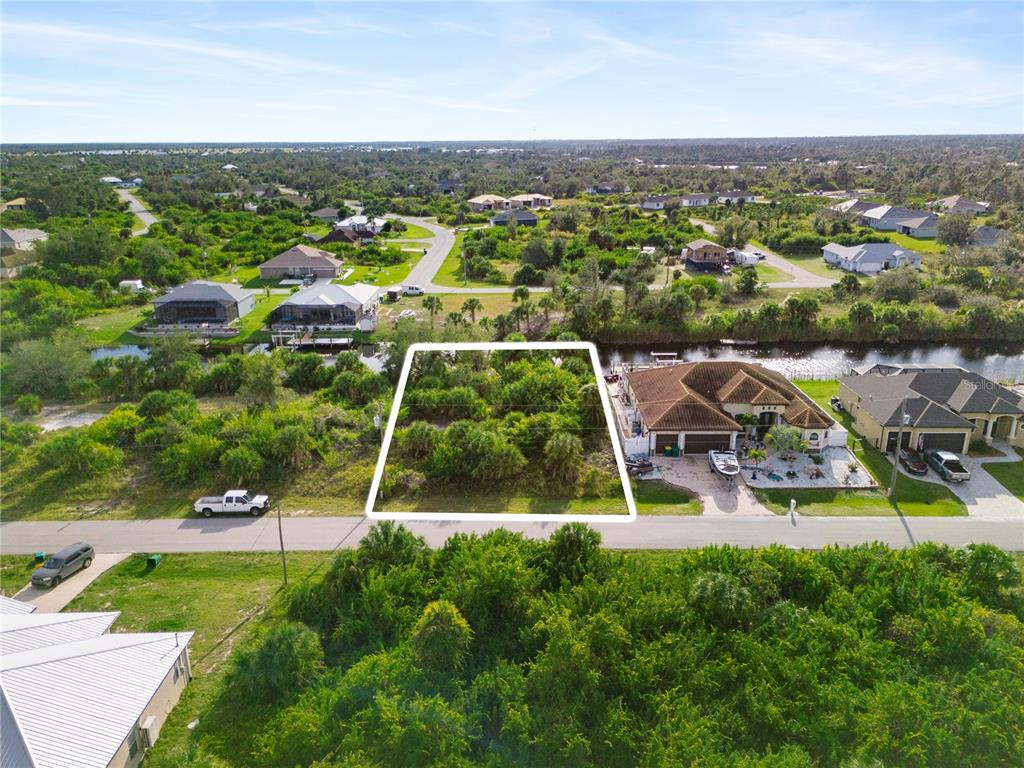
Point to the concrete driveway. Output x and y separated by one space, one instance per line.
53 600
720 495
136 207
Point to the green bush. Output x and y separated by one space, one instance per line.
29 405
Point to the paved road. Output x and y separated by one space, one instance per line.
801 278
136 207
669 532
53 600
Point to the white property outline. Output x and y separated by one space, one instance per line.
493 346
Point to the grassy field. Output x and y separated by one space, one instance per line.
450 273
250 327
925 246
654 497
1011 475
15 572
411 232
247 277
912 496
222 597
114 327
766 273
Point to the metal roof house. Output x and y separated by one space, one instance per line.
518 216
203 301
300 261
870 258
335 307
11 607
72 695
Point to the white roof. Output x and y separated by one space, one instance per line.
362 221
332 295
110 180
11 607
488 199
26 632
112 677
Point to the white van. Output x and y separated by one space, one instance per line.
412 290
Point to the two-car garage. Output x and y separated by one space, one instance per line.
920 440
692 442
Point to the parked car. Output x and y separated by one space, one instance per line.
232 502
761 256
837 404
412 290
948 465
913 462
724 463
62 564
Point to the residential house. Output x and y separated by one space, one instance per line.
888 217
74 694
11 607
919 226
854 207
301 261
696 407
695 201
531 200
373 224
482 203
347 235
946 408
326 215
448 187
870 258
656 202
110 180
203 302
958 204
987 237
606 188
518 216
340 307
21 239
735 196
17 204
705 253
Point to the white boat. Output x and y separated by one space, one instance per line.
724 463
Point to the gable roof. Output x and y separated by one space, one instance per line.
22 235
333 295
689 396
303 256
206 290
957 204
855 206
890 212
870 253
701 243
346 235
29 631
987 236
918 221
114 677
332 212
484 199
11 607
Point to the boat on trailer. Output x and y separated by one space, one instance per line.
724 463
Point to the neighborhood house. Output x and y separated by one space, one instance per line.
735 196
946 408
482 203
342 307
517 216
870 258
531 200
326 215
921 226
72 693
693 408
958 204
362 223
202 301
705 253
301 261
889 217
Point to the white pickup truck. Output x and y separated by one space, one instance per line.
232 502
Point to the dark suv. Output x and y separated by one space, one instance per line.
62 564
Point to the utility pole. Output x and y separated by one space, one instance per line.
280 538
904 419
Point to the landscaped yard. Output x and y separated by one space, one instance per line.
113 328
912 496
655 497
1011 474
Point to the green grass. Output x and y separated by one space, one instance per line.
247 277
501 503
923 245
912 496
381 276
1010 474
411 232
655 497
222 597
450 273
766 273
15 572
112 328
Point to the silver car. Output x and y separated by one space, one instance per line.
62 564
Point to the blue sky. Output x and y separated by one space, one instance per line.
289 71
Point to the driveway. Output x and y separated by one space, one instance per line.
138 209
984 496
719 495
53 600
802 278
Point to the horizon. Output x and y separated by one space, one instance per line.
222 73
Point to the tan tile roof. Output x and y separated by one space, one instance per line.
689 396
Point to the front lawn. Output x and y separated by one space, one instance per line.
411 232
656 497
912 496
1010 474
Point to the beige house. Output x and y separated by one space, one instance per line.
74 694
482 203
697 407
301 261
705 252
945 408
17 204
531 200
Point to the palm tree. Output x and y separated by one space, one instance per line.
521 293
454 319
547 303
433 305
563 454
472 305
528 308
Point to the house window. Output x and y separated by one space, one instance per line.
814 437
133 743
